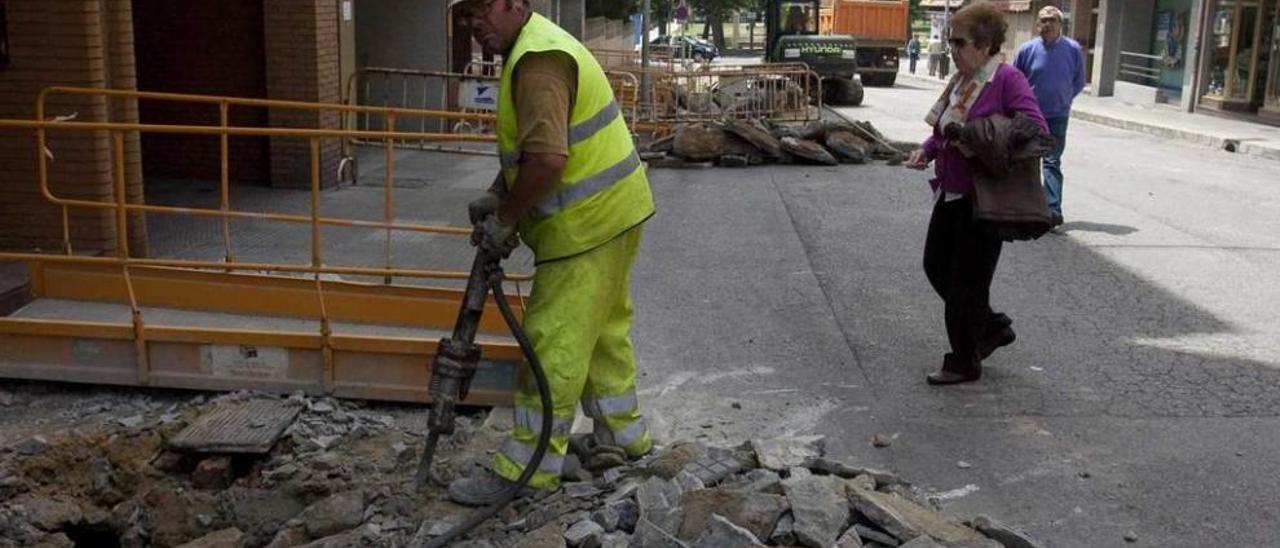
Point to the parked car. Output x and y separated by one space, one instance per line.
690 46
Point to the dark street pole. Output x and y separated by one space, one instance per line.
644 52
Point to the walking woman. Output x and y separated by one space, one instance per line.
960 257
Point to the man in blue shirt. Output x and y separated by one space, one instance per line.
1054 64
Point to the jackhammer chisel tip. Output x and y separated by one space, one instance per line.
424 465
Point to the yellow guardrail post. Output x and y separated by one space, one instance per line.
122 251
389 212
225 178
326 345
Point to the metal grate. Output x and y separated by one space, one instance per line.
242 427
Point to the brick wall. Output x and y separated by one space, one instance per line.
302 65
69 43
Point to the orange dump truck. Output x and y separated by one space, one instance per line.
880 29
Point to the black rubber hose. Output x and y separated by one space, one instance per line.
544 437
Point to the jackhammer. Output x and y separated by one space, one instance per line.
455 366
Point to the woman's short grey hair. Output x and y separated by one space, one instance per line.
984 24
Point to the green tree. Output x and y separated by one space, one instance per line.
716 12
612 9
660 14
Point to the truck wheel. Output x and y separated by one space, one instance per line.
844 92
880 79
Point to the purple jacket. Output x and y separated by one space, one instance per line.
1007 94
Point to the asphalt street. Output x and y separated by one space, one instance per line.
1142 394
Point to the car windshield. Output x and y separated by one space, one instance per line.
799 18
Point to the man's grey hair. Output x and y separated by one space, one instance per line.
1051 11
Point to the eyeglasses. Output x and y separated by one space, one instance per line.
1047 20
957 43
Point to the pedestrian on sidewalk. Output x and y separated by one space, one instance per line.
913 52
572 186
1054 64
936 49
960 254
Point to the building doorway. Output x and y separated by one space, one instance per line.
206 47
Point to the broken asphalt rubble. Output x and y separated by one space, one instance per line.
751 142
341 475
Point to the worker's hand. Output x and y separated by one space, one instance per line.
483 206
917 160
496 237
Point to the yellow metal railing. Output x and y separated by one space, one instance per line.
121 207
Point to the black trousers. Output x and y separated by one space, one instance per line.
960 259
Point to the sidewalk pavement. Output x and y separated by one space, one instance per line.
1167 122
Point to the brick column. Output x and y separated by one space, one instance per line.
63 42
573 17
121 73
302 65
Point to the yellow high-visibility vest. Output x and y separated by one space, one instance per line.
603 191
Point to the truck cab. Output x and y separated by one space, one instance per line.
793 37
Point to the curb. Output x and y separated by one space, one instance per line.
1241 146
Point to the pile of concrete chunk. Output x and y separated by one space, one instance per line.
340 474
749 142
778 492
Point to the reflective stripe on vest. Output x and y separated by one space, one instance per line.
577 133
603 190
595 124
587 187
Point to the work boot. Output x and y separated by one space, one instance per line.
485 489
595 456
953 372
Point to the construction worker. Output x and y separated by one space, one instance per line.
573 188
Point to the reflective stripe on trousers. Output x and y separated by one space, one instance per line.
627 437
531 419
522 454
603 407
617 420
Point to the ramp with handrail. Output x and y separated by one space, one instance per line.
228 324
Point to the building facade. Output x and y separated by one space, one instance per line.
297 50
1020 14
1213 56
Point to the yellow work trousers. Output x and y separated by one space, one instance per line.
579 321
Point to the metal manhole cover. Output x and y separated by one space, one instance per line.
251 426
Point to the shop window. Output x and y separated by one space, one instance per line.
1239 52
1273 72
